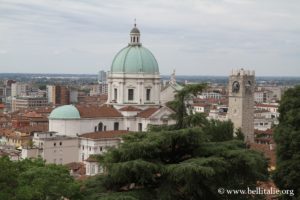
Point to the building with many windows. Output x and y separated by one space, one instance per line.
27 102
133 97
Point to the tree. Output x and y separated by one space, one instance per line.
220 130
239 134
182 164
181 105
34 180
287 138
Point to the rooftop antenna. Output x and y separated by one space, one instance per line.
134 22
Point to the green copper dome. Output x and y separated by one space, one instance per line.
134 58
65 112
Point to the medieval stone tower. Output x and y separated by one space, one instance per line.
241 101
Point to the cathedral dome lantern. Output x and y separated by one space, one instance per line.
135 36
135 59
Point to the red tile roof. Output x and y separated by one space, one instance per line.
265 149
147 112
130 108
266 132
104 134
94 111
33 114
2 106
30 129
201 104
266 105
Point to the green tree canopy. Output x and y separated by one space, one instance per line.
187 163
181 105
287 138
35 180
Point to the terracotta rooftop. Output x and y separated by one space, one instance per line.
130 108
76 167
95 111
266 132
223 101
265 149
201 104
266 105
33 114
30 129
147 112
45 110
104 134
2 106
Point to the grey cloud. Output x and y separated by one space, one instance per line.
203 37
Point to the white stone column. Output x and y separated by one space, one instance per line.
109 97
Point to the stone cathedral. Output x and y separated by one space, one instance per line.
241 101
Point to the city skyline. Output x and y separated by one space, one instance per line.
195 38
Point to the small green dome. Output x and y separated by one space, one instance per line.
134 59
65 112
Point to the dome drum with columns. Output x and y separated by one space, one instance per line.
134 77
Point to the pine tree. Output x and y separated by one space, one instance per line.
178 164
287 138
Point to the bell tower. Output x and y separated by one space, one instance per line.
241 101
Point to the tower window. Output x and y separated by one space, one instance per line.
148 92
115 94
130 94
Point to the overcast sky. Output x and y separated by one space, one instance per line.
195 37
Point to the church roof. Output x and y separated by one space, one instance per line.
147 112
78 112
65 112
130 108
134 60
104 134
102 111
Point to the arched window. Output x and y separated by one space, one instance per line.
100 126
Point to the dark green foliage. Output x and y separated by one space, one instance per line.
182 107
178 164
34 180
239 134
287 138
215 127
